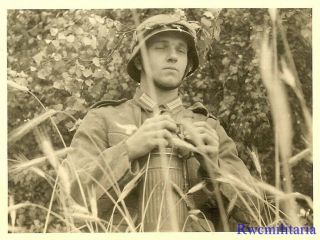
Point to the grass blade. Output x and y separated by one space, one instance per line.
130 186
301 155
255 159
13 213
197 187
19 132
17 86
36 162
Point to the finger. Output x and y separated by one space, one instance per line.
209 150
192 138
164 124
212 133
159 142
209 140
203 136
203 130
163 133
171 126
201 124
204 125
156 119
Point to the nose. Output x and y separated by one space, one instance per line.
172 54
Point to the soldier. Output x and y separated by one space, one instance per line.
115 135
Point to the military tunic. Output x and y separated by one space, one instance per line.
100 155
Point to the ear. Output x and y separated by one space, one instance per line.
137 63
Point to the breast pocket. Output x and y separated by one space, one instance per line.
119 131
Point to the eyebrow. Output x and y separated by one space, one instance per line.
166 41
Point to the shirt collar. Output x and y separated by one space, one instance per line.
147 103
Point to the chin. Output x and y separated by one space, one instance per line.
167 85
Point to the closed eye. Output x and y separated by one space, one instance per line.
182 50
159 46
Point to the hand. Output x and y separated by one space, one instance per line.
205 138
153 132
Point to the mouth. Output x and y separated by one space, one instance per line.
171 68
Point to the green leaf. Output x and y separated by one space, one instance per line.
57 57
88 82
206 23
215 12
72 70
58 85
92 21
79 31
53 31
86 41
59 66
124 86
61 36
109 22
38 57
98 73
208 14
57 107
225 61
111 34
59 117
94 42
69 125
96 61
111 45
56 43
118 25
233 69
216 32
78 72
70 38
87 72
42 74
65 75
102 31
99 19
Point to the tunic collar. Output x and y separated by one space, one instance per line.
147 103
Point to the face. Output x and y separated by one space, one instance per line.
168 58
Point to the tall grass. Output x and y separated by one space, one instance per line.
262 201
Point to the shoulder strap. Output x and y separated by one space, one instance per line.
106 103
199 108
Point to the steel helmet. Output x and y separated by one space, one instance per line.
158 24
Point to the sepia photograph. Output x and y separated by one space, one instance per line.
160 120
